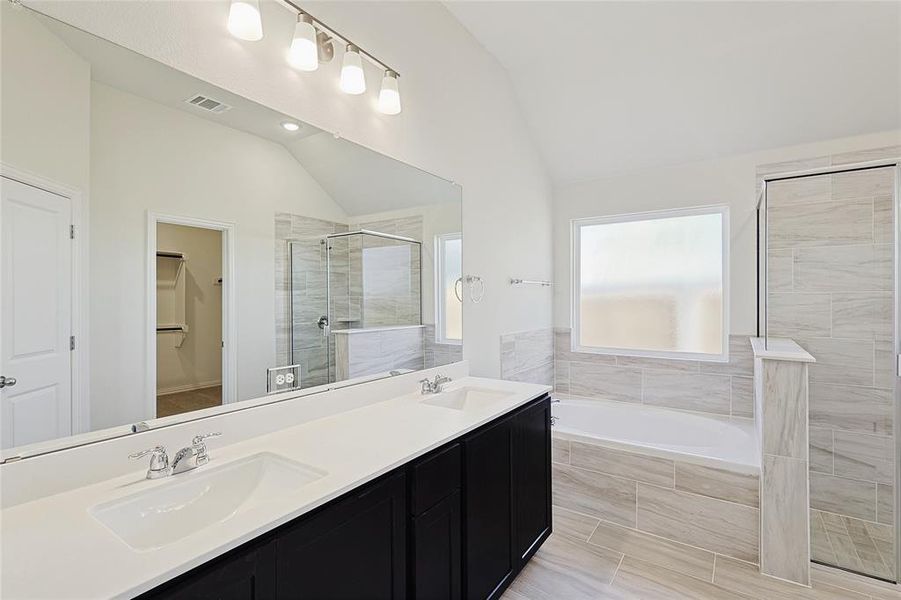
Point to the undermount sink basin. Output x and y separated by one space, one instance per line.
465 397
192 501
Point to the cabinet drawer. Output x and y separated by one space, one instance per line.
434 478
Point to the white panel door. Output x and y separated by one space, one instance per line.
35 314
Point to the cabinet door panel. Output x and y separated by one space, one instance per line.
531 477
354 549
488 510
436 551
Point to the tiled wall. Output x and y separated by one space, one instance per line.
528 356
830 281
439 354
718 388
377 351
699 510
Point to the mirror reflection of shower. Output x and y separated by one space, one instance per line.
355 305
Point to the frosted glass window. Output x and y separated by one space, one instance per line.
449 250
652 284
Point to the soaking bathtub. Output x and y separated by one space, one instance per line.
689 437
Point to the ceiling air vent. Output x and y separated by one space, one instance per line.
208 104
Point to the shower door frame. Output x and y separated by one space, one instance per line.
762 292
328 278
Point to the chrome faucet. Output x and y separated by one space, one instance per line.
193 456
186 459
435 386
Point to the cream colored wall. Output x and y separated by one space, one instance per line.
730 180
460 120
198 362
44 102
148 156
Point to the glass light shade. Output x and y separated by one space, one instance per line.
389 95
303 53
244 20
353 81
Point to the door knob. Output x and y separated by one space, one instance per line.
7 381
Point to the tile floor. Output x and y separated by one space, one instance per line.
575 564
182 402
852 543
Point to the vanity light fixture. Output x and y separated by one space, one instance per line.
312 44
304 51
290 126
353 80
245 21
389 95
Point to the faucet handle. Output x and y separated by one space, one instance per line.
159 461
201 455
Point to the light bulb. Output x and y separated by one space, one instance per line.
244 21
290 126
353 81
389 95
303 53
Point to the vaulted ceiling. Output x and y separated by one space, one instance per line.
608 87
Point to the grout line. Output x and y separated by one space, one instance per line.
616 571
713 571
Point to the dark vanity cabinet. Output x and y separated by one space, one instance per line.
457 523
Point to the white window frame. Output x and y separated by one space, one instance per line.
440 308
576 270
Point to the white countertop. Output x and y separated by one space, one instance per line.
53 548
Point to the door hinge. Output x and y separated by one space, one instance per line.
71 232
72 342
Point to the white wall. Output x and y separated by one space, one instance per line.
730 181
197 361
460 121
147 156
45 105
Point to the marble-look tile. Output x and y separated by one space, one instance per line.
842 268
884 368
656 550
629 465
573 524
724 484
867 550
563 351
884 220
716 525
699 392
531 349
604 383
560 450
561 376
820 547
864 456
834 222
859 156
741 359
542 374
820 452
867 586
865 183
843 548
848 362
799 315
784 530
800 190
743 397
862 315
660 364
640 579
779 270
785 408
568 568
843 496
851 408
594 494
744 577
885 504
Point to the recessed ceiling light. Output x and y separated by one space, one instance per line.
290 126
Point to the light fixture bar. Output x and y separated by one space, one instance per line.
342 38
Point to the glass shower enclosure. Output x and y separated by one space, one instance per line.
355 282
828 274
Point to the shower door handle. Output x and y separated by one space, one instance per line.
323 325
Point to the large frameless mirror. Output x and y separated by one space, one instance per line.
170 247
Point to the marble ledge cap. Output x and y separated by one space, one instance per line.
780 349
